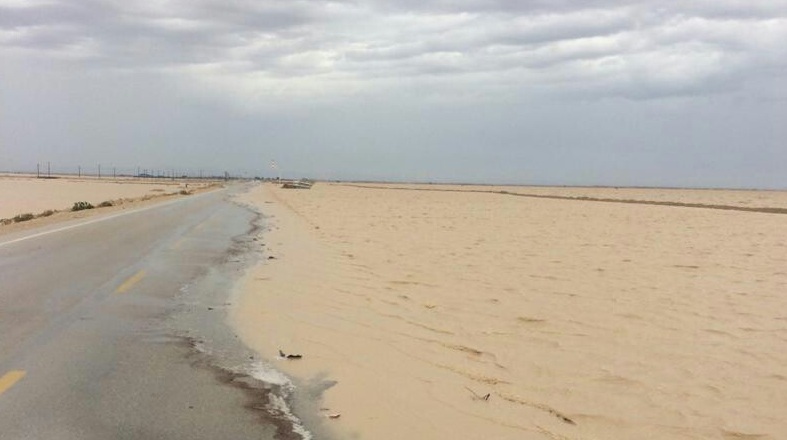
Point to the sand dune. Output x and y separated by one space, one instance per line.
580 319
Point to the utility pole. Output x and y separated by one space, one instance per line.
48 170
99 171
114 172
38 170
79 170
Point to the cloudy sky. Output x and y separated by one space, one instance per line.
595 92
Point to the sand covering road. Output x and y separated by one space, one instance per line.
580 319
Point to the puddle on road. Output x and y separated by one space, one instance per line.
199 325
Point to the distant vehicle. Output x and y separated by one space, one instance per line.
299 184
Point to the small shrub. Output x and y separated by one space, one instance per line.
79 206
46 213
24 217
185 192
7 221
105 204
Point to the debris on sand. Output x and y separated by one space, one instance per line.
289 356
332 415
477 396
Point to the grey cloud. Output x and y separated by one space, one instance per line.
490 84
706 8
249 14
125 33
303 38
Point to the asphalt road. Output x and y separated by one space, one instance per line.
104 325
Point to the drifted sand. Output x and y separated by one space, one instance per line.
19 195
581 319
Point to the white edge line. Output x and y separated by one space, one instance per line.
109 217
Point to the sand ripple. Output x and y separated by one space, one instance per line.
582 319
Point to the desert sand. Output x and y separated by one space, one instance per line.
579 319
19 195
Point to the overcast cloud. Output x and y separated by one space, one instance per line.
671 93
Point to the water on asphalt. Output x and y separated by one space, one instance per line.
157 361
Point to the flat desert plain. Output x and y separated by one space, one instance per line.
20 195
459 312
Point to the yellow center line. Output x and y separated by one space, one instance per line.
9 379
129 283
